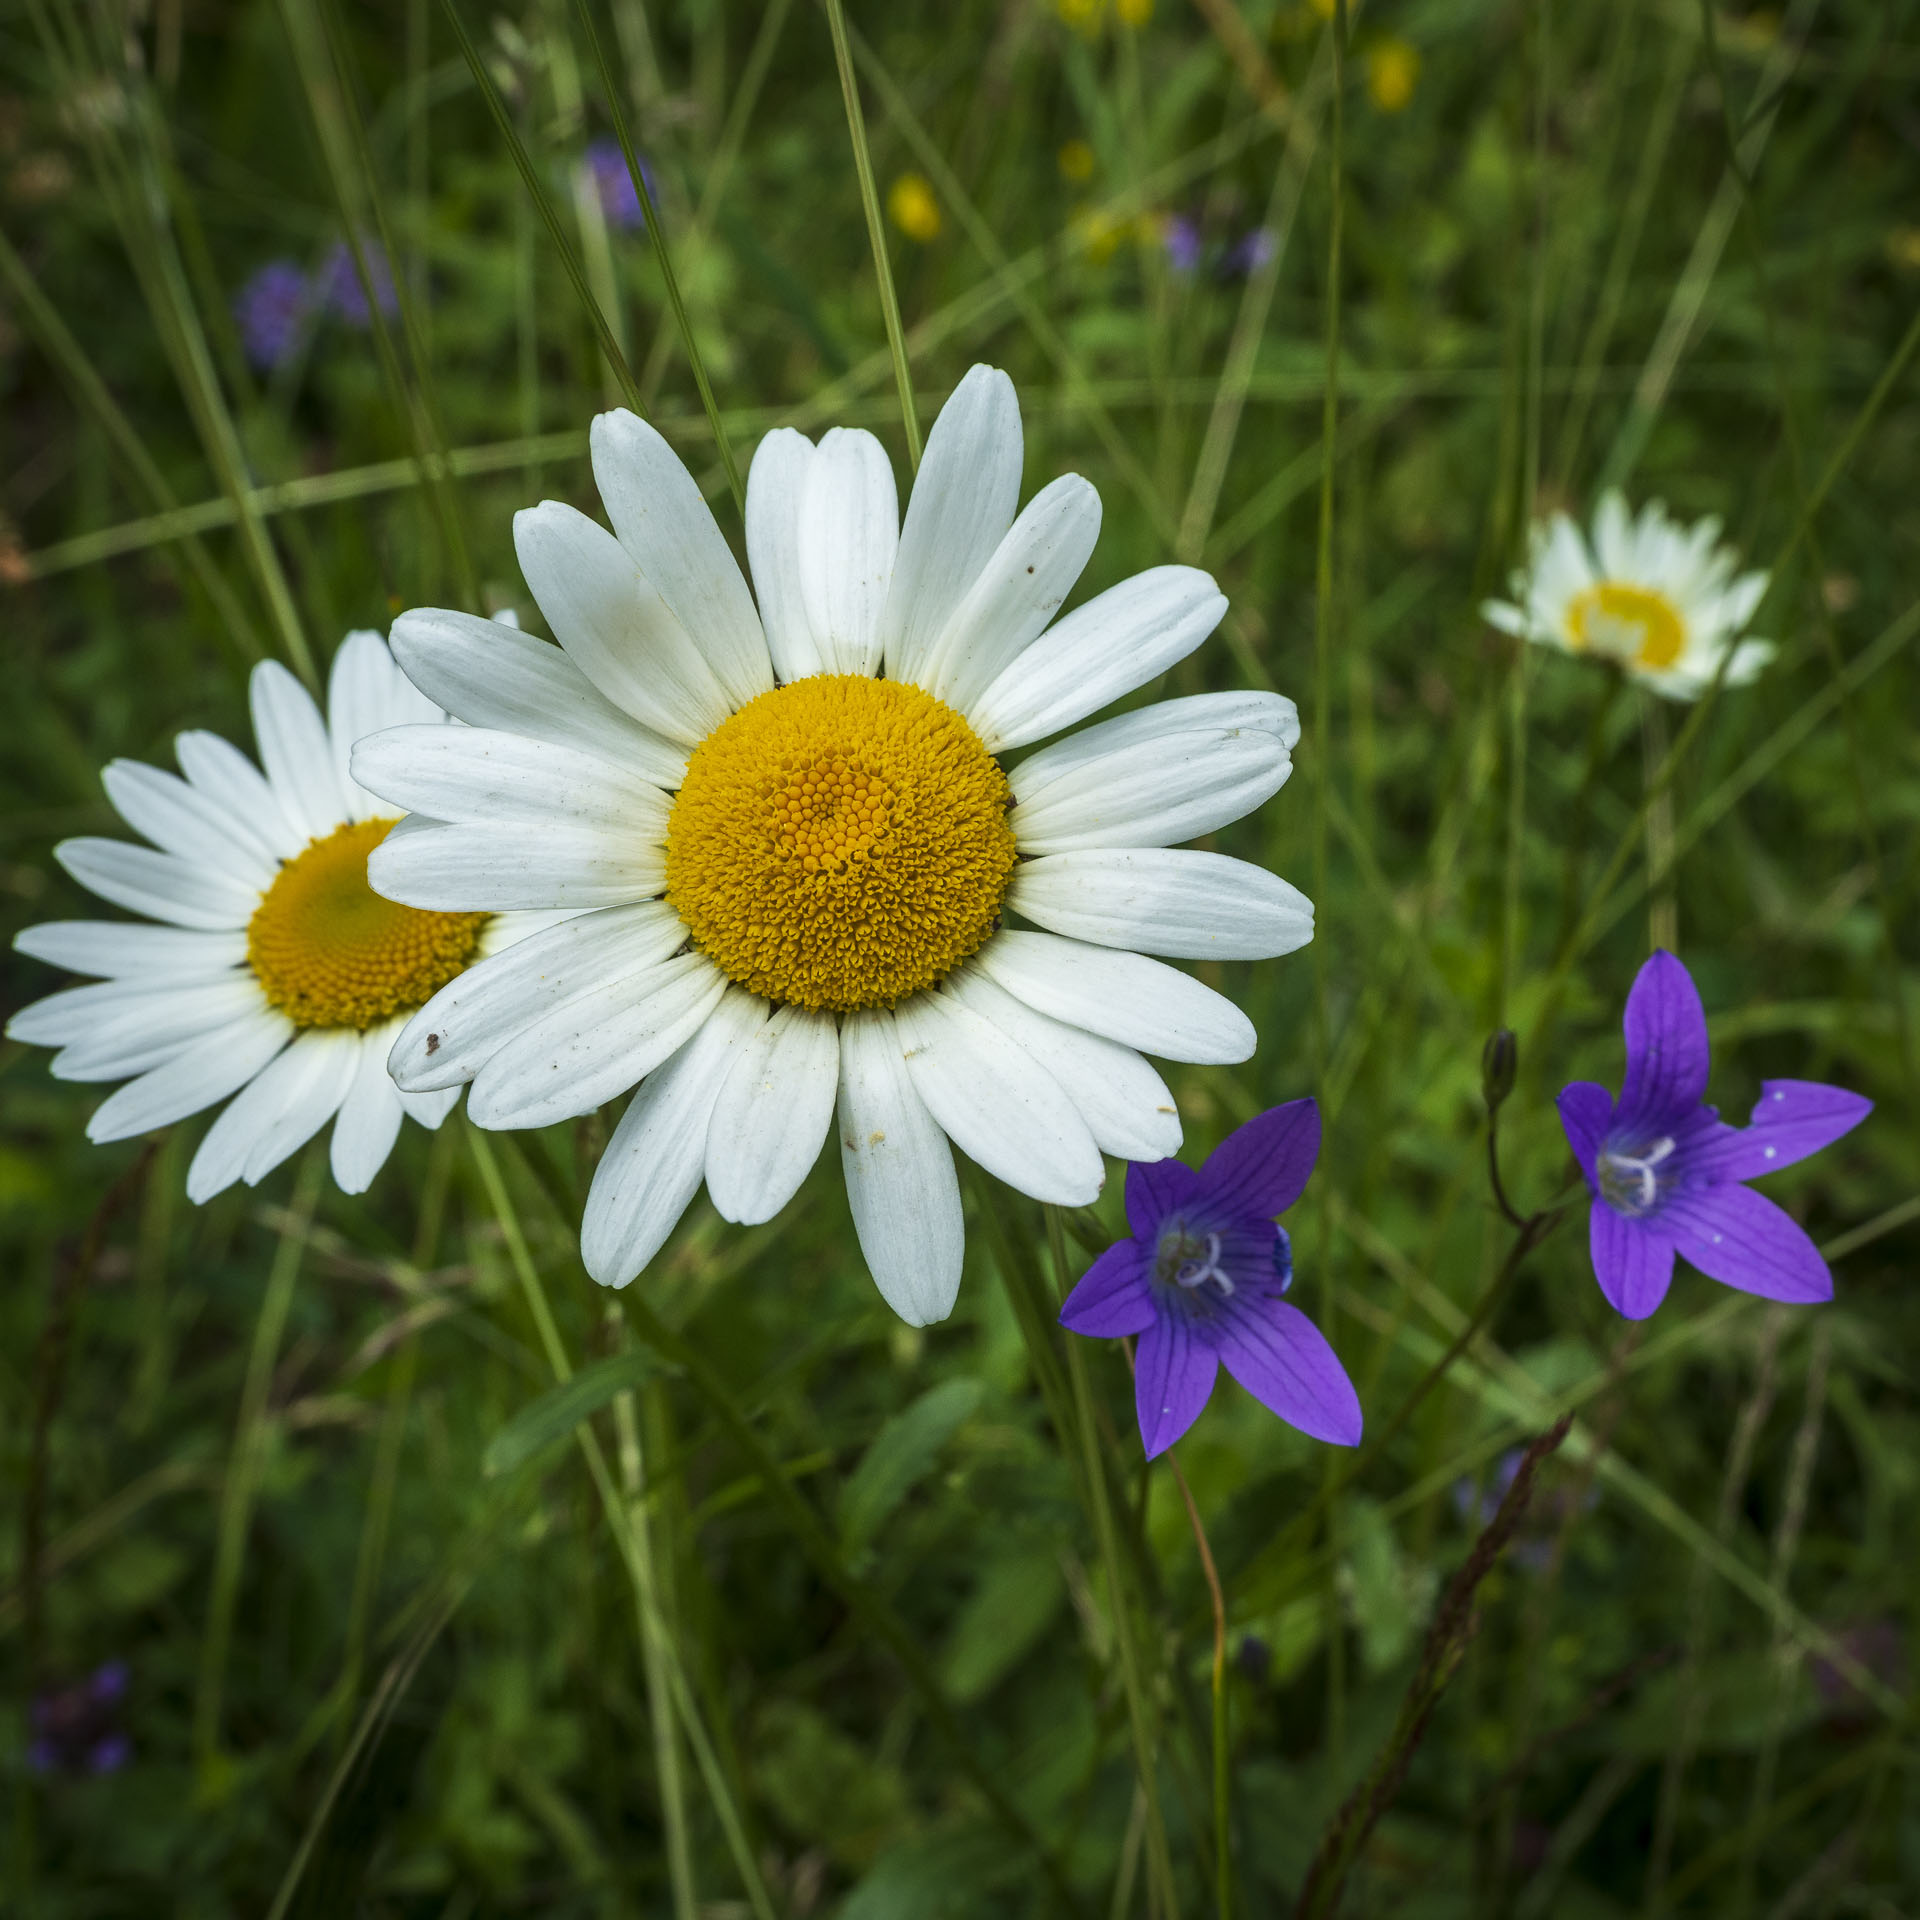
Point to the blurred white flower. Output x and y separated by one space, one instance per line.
1656 599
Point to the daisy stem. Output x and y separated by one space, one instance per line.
610 85
653 1632
876 231
1663 909
1222 1775
1164 1898
243 1468
820 1547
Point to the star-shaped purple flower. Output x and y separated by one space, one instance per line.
1201 1282
1666 1171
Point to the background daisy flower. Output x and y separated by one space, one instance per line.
791 842
274 973
1658 600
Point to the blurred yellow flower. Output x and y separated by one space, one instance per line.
1082 15
1076 160
1393 66
1099 233
1324 8
1903 246
1133 13
912 207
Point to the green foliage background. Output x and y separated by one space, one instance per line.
1690 1688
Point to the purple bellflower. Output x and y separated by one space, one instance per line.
1201 1282
1183 241
1666 1171
606 168
272 311
74 1729
339 282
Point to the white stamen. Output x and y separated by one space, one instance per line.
1195 1273
1640 1168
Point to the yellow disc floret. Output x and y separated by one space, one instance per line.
330 952
840 842
1639 625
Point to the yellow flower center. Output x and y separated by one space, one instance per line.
1635 624
840 842
330 952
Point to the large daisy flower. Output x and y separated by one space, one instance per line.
1659 600
275 975
793 844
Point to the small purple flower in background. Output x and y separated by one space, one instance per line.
339 283
1250 252
1181 237
1666 1172
272 311
74 1730
606 167
1201 1282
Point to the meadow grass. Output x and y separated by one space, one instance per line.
790 1609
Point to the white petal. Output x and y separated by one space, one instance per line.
596 1045
775 484
996 1102
615 626
198 1077
672 537
1167 773
455 1034
1125 1104
477 774
900 1178
1116 642
653 1163
366 693
962 503
1615 537
773 1115
276 1112
182 821
1022 586
116 949
129 1019
157 884
1191 905
296 752
490 675
496 869
369 1118
219 770
849 530
1124 996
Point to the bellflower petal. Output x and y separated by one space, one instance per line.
1284 1361
1262 1167
1632 1260
1173 1375
1155 1188
1586 1112
1666 1044
1741 1239
1114 1296
1792 1119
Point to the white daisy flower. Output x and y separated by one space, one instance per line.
1654 598
791 842
277 975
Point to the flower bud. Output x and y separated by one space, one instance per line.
1499 1061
